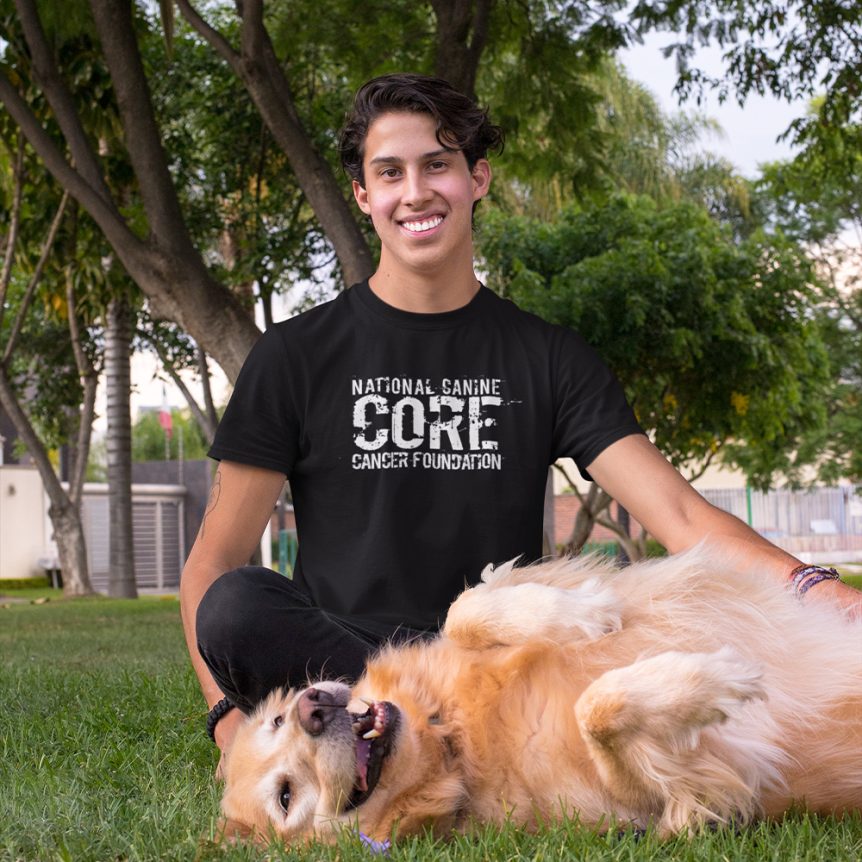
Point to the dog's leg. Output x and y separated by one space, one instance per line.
492 615
642 725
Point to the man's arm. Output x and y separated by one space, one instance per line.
639 477
241 501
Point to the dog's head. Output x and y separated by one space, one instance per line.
309 761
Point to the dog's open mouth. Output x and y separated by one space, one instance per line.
374 731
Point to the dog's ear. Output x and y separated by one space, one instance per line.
229 831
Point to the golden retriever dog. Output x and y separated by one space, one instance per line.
672 693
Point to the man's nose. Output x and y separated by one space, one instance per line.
416 190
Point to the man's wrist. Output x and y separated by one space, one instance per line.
804 577
219 711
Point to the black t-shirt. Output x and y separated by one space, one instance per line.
417 445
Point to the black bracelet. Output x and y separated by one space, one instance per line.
218 712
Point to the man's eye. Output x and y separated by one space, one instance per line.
284 796
390 173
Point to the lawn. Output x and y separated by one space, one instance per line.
104 757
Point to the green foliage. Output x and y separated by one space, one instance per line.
818 201
41 366
148 438
794 50
711 338
23 583
241 201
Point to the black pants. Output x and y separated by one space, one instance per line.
257 631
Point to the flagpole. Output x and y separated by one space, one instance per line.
180 455
166 421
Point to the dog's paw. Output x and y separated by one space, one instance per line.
736 679
590 609
514 614
710 687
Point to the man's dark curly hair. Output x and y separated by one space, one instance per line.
461 123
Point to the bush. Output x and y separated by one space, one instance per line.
36 583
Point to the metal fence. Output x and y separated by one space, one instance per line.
157 520
803 522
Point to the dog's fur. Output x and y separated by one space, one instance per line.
675 693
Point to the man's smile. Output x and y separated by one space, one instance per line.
422 225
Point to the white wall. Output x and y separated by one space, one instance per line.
23 529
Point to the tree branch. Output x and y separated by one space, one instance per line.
215 39
462 31
14 223
103 211
48 78
12 408
89 382
208 427
178 285
30 292
209 406
704 466
115 26
264 79
571 483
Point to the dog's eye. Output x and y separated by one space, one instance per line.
284 796
278 721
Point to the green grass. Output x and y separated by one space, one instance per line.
103 757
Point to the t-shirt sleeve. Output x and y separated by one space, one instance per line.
591 407
260 425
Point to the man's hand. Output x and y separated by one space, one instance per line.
225 731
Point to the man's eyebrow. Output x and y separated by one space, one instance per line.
397 160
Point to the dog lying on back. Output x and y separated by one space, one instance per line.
672 693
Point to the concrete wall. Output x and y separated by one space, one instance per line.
24 531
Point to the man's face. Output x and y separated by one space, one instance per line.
419 194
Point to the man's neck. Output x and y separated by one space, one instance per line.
424 293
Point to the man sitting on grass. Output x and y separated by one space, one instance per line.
416 416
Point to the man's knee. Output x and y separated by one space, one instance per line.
230 606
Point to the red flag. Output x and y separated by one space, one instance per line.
165 419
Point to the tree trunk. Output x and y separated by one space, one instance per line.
64 515
462 31
592 506
549 547
118 339
624 522
71 549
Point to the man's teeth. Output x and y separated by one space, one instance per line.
420 226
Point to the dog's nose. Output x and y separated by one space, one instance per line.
316 709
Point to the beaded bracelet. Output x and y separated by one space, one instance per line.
218 712
805 577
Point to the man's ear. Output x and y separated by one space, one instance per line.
481 176
361 197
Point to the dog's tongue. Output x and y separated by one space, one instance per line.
363 748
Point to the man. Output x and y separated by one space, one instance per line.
416 416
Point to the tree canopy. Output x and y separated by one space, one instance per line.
203 145
711 337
